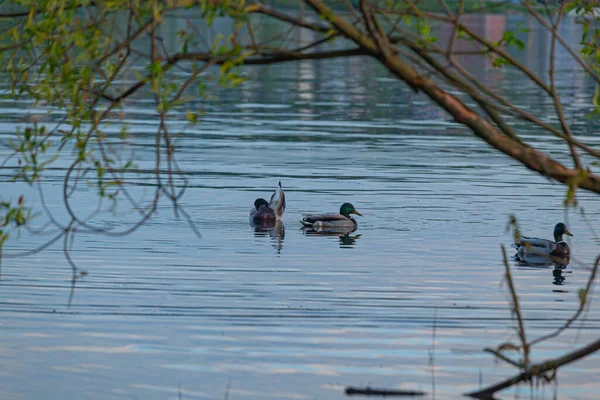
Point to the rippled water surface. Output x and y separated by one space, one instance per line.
408 301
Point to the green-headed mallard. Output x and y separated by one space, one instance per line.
544 247
269 213
332 220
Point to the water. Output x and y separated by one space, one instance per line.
408 301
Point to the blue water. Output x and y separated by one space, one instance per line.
407 301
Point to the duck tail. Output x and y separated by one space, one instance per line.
277 202
306 223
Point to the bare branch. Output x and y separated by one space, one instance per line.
582 303
537 370
285 56
554 91
562 41
38 11
453 35
502 357
516 309
528 156
262 9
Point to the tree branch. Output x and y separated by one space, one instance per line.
262 9
270 59
528 156
39 10
562 41
556 99
537 370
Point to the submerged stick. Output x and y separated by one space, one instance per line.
351 391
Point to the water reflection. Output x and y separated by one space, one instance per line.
275 230
347 240
343 233
559 278
540 261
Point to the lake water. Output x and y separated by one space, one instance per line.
407 301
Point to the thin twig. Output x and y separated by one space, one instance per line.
516 309
555 97
537 370
582 303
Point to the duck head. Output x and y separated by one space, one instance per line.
346 209
258 203
559 230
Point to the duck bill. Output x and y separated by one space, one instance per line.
567 232
357 213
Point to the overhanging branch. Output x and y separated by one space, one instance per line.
527 155
537 370
276 57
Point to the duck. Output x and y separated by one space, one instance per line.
333 220
544 247
268 213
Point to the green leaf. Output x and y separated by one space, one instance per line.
192 117
500 62
596 97
582 294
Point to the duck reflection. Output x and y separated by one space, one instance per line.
544 261
541 261
274 229
559 278
347 240
343 233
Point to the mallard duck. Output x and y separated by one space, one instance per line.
544 247
269 212
332 220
